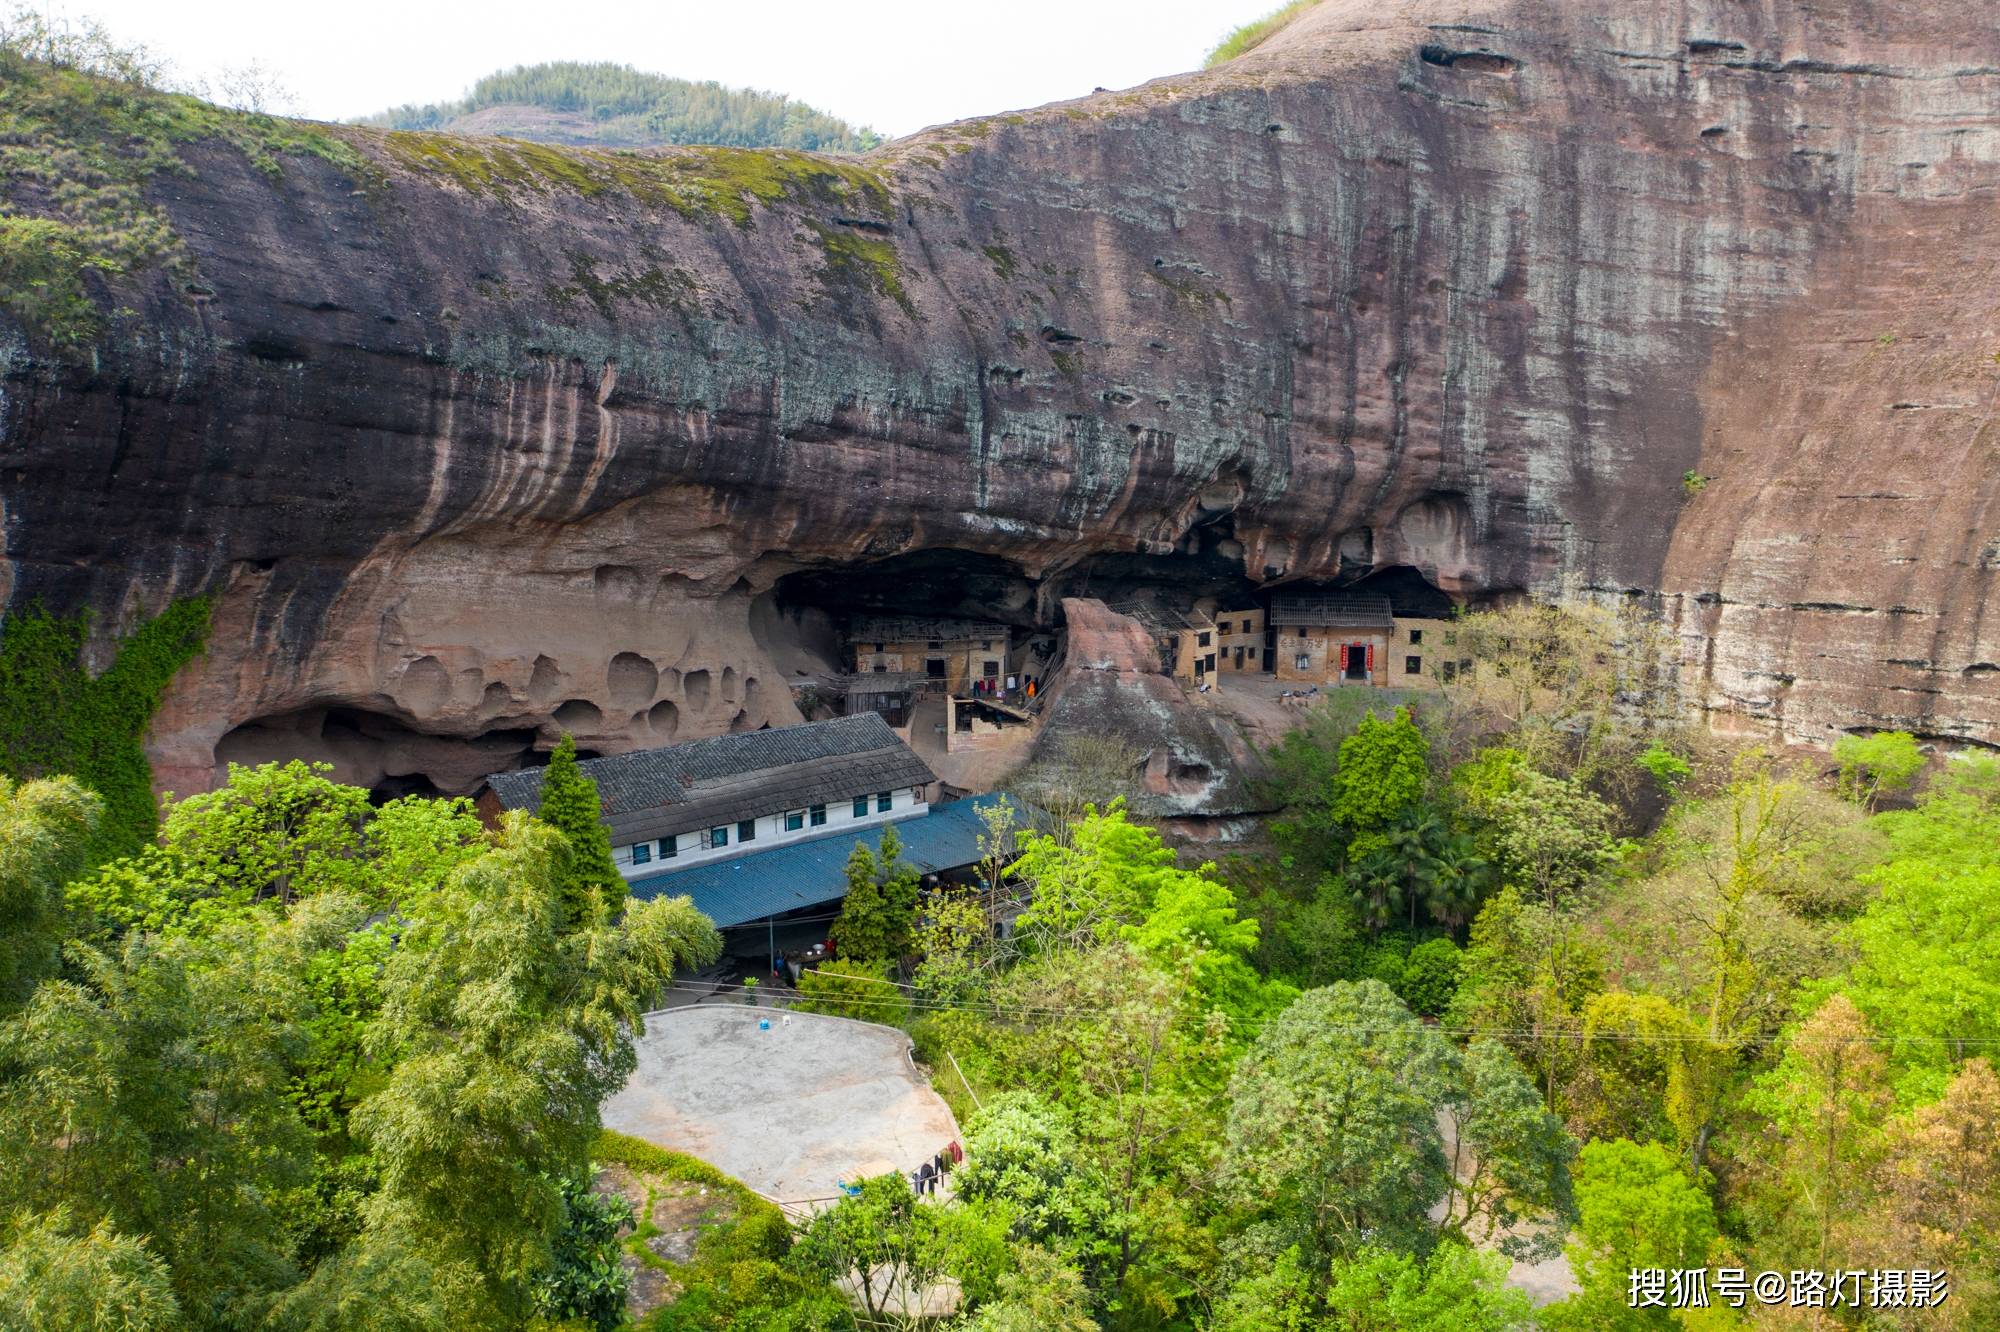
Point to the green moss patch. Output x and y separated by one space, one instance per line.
703 184
866 263
660 286
1004 262
1188 291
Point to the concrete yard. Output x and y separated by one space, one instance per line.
791 1111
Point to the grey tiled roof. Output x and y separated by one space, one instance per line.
705 783
1332 610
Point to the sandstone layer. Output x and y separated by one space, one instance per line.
475 445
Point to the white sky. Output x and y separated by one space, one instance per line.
895 65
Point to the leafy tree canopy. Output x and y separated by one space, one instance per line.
617 104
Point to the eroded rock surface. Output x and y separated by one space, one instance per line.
1187 761
485 444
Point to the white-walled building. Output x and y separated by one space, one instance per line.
737 795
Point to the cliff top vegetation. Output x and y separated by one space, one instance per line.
1256 32
617 105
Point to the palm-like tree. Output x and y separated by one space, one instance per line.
1459 877
1378 887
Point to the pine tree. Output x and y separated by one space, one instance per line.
571 805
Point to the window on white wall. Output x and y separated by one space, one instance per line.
883 801
670 847
817 815
642 854
861 807
795 819
718 837
746 831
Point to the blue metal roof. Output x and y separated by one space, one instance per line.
803 874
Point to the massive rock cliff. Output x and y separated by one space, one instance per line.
474 441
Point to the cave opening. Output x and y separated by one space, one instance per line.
1408 591
380 752
946 584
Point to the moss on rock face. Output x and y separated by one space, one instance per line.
661 286
1188 291
76 152
865 262
702 184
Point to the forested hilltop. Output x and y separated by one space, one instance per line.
604 103
1525 969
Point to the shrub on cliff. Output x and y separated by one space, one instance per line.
1254 34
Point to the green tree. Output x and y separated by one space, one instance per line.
1040 1294
1578 691
45 827
878 918
1085 887
858 990
273 835
1638 1208
1526 975
1666 767
1873 765
150 1094
1636 1049
370 1285
571 805
620 105
1454 1289
506 1026
1377 1290
890 1244
1333 1130
1383 772
1553 837
1923 965
1190 925
586 1281
1022 1153
1509 1159
53 1280
1824 1106
1430 977
1129 1051
958 950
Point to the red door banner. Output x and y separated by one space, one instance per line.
1371 656
1343 657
